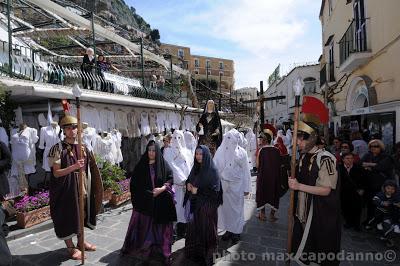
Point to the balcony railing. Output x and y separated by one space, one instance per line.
354 40
322 76
28 65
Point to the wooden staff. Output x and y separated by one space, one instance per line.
77 92
293 167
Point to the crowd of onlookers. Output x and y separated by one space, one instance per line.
369 178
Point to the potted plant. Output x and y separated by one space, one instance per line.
110 174
122 193
32 210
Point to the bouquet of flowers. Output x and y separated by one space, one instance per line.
123 186
29 203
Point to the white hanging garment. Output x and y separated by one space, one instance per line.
144 124
161 117
187 122
117 138
48 138
143 144
91 116
105 149
168 120
133 125
176 120
153 122
89 137
121 120
42 120
24 150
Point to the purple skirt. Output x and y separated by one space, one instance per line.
144 237
201 235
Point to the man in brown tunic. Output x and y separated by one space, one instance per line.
269 176
64 188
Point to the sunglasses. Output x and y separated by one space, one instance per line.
71 127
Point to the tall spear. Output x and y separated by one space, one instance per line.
298 86
77 93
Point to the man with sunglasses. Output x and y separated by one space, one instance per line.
317 225
64 188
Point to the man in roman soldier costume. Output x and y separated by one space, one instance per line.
64 188
209 127
317 222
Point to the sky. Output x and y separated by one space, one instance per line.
257 34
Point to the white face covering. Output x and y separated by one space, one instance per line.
178 145
229 148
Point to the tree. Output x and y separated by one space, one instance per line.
155 35
7 106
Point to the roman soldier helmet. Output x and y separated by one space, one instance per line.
269 129
314 114
68 120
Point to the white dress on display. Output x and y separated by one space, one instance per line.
89 137
188 122
144 124
91 116
153 122
121 120
107 120
176 120
161 117
133 125
117 138
180 160
105 149
168 120
48 138
23 154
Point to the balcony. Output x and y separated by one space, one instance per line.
355 48
30 66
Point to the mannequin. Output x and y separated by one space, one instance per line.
24 154
117 138
49 136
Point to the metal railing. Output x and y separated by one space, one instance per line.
354 39
30 65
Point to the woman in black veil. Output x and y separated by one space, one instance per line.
150 230
209 127
202 198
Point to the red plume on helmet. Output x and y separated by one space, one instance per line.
315 111
66 106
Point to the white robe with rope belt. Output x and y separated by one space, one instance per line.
233 167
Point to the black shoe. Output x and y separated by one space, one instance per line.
226 236
235 238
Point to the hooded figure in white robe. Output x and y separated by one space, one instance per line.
191 142
180 160
232 164
251 148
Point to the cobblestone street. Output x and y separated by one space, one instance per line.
260 242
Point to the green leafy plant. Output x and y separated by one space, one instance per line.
7 107
111 175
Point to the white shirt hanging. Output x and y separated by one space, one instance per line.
48 138
144 124
133 125
161 117
89 137
153 122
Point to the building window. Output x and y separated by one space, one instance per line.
221 65
208 64
360 25
331 62
310 85
196 62
181 53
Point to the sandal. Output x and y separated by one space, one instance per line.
261 216
88 247
74 253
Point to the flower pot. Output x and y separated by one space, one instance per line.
107 194
28 219
119 199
